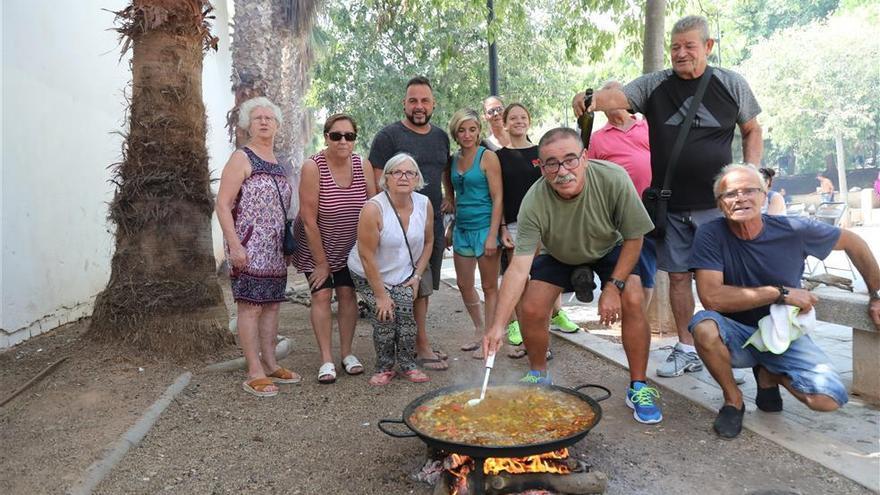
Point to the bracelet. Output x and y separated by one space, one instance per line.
416 275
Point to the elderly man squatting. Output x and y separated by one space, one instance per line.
747 261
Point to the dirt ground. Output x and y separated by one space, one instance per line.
322 439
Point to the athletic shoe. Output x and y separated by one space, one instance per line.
641 400
561 322
514 336
583 283
679 362
536 378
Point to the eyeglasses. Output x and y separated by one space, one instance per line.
336 136
494 111
569 163
746 192
409 174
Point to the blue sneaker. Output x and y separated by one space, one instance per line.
536 378
641 400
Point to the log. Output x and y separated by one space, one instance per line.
570 484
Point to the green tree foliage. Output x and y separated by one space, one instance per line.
370 48
818 82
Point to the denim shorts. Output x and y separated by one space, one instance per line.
809 368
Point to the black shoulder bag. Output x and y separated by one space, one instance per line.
426 282
288 246
656 200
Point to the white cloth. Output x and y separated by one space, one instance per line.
392 259
781 327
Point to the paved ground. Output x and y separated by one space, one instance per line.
322 439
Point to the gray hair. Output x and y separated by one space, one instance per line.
396 161
737 167
244 111
691 23
461 116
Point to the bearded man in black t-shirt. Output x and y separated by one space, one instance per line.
664 98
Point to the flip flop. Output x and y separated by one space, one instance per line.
327 373
438 364
440 354
517 352
478 354
284 375
351 365
470 346
416 376
382 378
258 387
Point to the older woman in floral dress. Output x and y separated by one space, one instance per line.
251 204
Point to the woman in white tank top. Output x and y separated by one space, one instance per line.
387 264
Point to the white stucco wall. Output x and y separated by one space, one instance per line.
62 99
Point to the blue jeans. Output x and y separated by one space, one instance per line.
809 368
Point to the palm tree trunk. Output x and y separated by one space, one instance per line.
271 56
163 295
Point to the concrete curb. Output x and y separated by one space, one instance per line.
282 349
101 468
831 453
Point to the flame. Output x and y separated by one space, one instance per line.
542 463
460 465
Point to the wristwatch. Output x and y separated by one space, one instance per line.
620 284
874 295
782 293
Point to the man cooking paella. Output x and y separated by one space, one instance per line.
582 216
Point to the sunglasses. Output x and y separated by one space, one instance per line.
336 136
494 111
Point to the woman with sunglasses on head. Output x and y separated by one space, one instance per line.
395 237
774 203
476 179
335 185
251 204
498 137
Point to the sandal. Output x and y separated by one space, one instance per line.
351 365
327 373
471 346
440 354
433 364
478 354
517 352
260 387
284 375
416 376
382 378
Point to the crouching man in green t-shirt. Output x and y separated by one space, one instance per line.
581 214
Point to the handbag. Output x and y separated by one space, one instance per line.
288 245
656 199
426 282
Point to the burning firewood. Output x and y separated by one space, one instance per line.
570 484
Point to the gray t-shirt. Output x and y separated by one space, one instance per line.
430 150
664 99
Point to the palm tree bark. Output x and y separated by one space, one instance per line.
271 56
163 295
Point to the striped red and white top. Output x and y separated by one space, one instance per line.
338 211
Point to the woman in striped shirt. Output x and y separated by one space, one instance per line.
335 185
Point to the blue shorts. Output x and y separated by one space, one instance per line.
548 269
809 368
648 263
469 243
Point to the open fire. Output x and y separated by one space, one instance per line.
549 473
